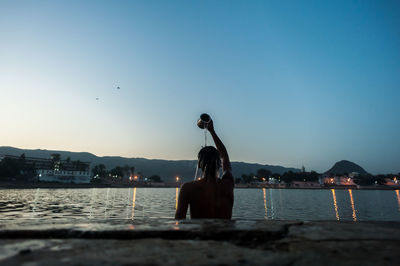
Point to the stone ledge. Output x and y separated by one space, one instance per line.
208 243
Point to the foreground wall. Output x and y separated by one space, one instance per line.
206 242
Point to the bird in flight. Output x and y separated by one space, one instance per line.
97 99
118 88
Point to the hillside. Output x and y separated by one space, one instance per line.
344 166
167 169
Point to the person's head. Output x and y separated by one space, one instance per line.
209 161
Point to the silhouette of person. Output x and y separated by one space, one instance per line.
209 197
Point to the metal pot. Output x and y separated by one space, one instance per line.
203 121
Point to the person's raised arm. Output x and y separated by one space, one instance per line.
226 164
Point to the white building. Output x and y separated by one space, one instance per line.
56 170
61 176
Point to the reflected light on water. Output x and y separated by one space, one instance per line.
71 205
133 203
272 204
91 203
352 205
36 200
335 204
131 227
176 226
127 205
176 198
105 205
265 204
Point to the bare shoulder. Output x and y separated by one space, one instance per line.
187 186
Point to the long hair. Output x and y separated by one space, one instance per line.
209 161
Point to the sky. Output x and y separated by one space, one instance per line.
287 83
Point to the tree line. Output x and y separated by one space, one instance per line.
16 169
119 174
263 175
19 170
368 179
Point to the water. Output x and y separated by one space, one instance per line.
145 204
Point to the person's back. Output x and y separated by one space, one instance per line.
209 197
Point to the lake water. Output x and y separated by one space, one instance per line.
145 204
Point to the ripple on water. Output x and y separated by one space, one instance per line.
145 204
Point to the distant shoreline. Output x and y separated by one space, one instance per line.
9 185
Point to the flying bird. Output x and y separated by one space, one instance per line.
97 99
118 88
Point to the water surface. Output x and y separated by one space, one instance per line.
145 204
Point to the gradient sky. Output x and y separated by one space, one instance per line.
290 83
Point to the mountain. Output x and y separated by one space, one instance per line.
167 169
344 166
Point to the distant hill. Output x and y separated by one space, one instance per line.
344 166
167 169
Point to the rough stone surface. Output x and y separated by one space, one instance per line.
204 242
346 230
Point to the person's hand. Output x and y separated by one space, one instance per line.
210 126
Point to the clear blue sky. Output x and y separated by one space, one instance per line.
287 82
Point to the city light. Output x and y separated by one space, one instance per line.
177 179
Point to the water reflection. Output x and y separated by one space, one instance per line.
127 203
144 204
176 198
35 201
133 203
335 204
281 208
131 227
91 203
265 204
112 199
352 206
105 205
272 204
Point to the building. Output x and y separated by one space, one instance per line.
347 181
392 182
64 176
65 171
57 170
304 184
